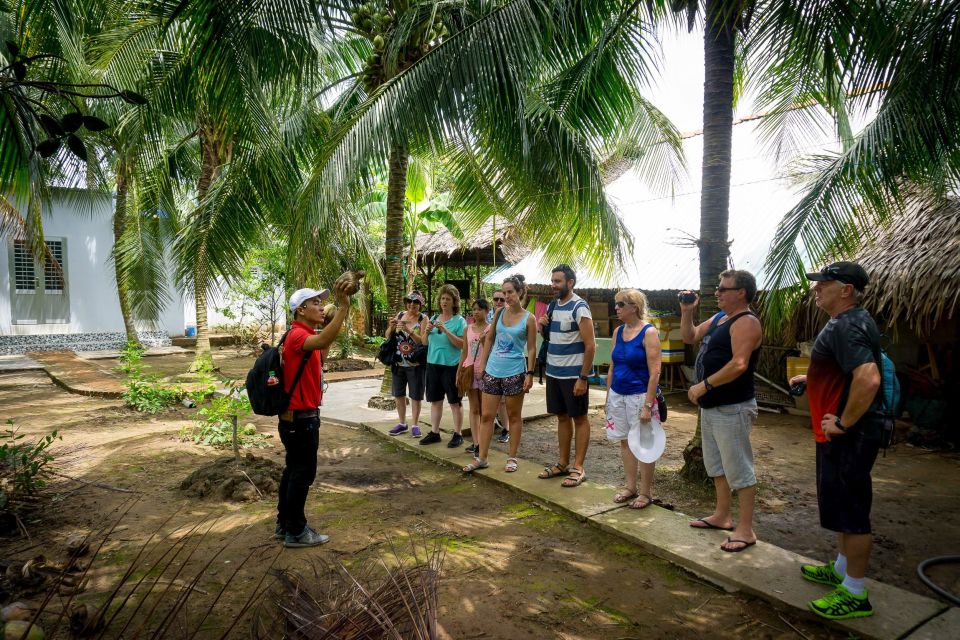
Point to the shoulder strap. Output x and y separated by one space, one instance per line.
303 365
643 331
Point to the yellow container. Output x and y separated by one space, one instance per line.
797 366
670 357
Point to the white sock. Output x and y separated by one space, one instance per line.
840 565
854 585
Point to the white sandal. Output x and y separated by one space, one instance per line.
475 465
512 465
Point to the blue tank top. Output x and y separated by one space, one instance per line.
509 354
630 373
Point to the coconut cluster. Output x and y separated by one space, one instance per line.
377 21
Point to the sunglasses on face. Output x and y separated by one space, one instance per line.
620 304
499 299
722 289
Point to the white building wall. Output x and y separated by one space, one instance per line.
86 226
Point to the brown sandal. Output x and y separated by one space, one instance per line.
554 471
575 478
624 495
649 501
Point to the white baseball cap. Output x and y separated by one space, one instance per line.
302 295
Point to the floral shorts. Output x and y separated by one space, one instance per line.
509 386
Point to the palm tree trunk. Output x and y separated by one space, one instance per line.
202 358
719 42
119 226
396 195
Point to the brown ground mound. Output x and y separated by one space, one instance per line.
226 479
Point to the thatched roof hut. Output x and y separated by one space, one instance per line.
443 248
914 267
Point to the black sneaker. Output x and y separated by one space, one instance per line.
455 441
504 436
473 448
430 438
496 424
279 533
309 538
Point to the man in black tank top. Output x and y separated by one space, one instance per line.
730 345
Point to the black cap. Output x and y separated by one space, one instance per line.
845 272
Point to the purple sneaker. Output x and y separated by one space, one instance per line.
415 432
397 430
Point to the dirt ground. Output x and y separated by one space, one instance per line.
916 492
511 570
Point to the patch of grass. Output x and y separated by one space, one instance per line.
590 605
521 510
453 488
626 550
452 543
341 502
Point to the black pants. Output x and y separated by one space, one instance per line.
301 439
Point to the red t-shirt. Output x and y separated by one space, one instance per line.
309 393
846 342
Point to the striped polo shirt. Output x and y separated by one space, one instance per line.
565 354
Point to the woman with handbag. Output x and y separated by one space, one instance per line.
632 395
470 375
507 359
408 374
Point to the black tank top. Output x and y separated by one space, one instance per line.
715 352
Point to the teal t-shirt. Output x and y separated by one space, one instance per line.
439 349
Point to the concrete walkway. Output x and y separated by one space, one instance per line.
765 571
79 375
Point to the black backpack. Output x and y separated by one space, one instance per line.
545 343
271 399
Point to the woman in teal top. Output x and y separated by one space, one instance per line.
444 343
508 358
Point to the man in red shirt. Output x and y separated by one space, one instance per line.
300 425
842 383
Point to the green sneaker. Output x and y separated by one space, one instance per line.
821 573
840 604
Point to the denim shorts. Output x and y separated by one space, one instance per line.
725 431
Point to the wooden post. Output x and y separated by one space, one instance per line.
236 447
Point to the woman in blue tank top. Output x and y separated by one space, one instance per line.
507 362
632 391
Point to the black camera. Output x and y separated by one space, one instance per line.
798 389
687 297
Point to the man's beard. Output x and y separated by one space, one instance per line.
562 293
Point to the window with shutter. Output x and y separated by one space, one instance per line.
24 268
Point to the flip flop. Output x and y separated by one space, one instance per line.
707 525
738 549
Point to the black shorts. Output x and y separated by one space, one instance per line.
561 401
442 381
407 381
844 487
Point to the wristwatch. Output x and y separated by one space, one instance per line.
584 377
839 426
530 373
648 405
707 385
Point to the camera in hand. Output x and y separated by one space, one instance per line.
798 389
687 297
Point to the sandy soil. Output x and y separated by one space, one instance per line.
511 570
916 492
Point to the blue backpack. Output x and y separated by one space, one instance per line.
890 396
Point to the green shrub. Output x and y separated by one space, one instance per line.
374 341
130 357
23 465
215 428
148 395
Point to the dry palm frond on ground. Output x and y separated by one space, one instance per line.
393 598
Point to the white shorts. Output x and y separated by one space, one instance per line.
623 412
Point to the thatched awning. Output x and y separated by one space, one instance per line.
442 247
914 268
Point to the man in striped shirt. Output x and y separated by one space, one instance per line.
569 364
